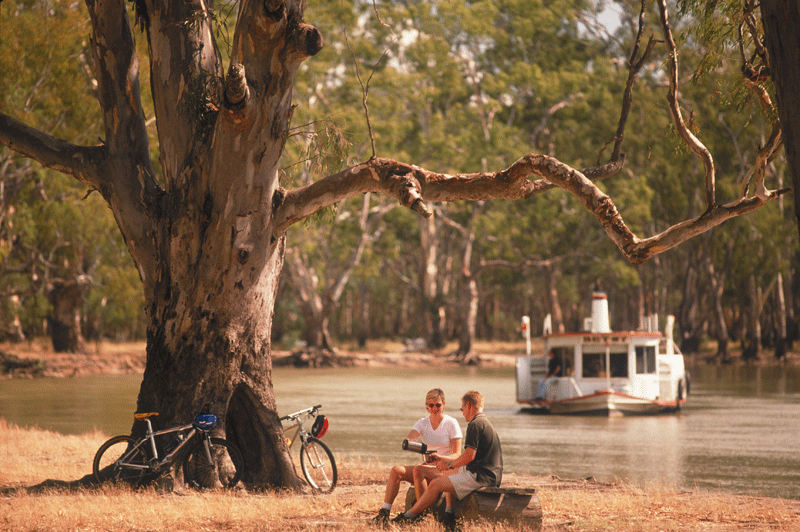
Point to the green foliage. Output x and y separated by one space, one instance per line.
453 87
54 229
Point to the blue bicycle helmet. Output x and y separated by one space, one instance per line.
205 422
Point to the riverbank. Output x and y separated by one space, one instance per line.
40 465
36 358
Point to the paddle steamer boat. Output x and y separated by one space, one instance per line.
603 372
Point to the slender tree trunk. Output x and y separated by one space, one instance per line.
690 321
14 330
64 322
468 300
555 305
362 327
309 297
789 291
780 301
469 317
717 286
432 306
752 336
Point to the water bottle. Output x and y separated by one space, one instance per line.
174 443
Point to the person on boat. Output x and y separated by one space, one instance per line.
442 435
481 464
554 370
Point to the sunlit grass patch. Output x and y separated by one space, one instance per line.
32 455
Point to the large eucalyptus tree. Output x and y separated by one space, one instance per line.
207 233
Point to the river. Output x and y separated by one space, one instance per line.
738 434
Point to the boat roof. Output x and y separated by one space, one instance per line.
600 337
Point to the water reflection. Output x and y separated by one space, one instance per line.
644 450
738 434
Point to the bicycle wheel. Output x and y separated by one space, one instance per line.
114 460
318 465
225 469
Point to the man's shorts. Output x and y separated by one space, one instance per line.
464 483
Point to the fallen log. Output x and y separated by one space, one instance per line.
512 505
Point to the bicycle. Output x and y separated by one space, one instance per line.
316 459
209 463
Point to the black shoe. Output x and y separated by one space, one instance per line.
449 521
402 520
382 519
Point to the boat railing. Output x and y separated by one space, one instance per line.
575 388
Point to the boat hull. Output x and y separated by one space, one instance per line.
605 403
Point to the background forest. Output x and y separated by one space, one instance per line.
455 86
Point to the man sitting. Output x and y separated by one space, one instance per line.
481 463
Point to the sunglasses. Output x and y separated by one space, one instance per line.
437 405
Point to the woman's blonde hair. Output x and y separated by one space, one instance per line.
434 394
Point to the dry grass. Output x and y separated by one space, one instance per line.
32 456
628 509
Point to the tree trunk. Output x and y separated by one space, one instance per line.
780 318
309 298
781 20
752 335
691 324
720 326
468 310
64 323
552 295
362 327
432 306
13 331
204 246
213 346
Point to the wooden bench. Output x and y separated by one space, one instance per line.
513 505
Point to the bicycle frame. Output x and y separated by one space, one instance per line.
298 424
150 437
303 433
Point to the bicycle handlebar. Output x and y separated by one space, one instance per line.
309 411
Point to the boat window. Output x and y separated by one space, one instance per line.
645 359
619 364
594 365
562 362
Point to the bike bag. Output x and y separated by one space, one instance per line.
205 422
320 426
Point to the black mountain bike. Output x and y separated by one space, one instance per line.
208 462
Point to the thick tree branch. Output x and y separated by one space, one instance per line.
271 40
77 161
412 186
117 74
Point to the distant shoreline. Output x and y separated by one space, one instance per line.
36 359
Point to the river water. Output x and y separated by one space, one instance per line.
739 432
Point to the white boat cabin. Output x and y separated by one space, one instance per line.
599 371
